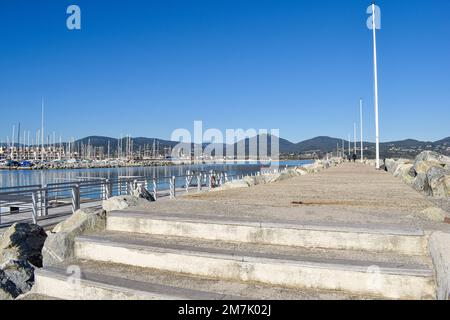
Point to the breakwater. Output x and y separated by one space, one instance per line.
16 178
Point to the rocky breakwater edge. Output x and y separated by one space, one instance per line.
428 173
271 177
25 247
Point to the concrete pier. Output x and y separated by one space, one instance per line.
348 232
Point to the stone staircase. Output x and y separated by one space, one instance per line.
150 256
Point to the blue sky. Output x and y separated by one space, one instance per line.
149 67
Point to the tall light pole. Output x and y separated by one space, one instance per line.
375 75
42 130
354 138
361 128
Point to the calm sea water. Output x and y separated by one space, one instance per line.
14 178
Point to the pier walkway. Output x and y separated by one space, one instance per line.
348 232
349 193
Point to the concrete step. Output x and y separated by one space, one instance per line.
390 276
36 296
117 281
56 282
348 237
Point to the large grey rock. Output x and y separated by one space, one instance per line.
405 173
287 174
16 278
314 167
124 202
142 192
439 249
301 171
23 241
236 184
390 165
424 166
420 183
249 181
83 220
433 156
436 181
447 185
59 245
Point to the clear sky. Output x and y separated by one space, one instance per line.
148 67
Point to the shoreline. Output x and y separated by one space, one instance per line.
144 164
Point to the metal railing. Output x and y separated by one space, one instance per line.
40 201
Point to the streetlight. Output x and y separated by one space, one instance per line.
375 75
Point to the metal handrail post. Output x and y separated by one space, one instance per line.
35 208
174 186
209 181
199 182
76 198
45 211
154 188
110 185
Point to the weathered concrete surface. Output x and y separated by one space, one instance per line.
345 186
100 276
387 279
349 196
376 238
439 247
349 193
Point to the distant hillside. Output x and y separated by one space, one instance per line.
318 144
312 147
445 141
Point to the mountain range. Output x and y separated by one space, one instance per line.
318 145
312 147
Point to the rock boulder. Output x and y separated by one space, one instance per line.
123 202
23 241
142 193
60 242
420 183
16 278
20 253
434 157
436 180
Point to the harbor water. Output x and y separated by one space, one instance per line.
15 178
